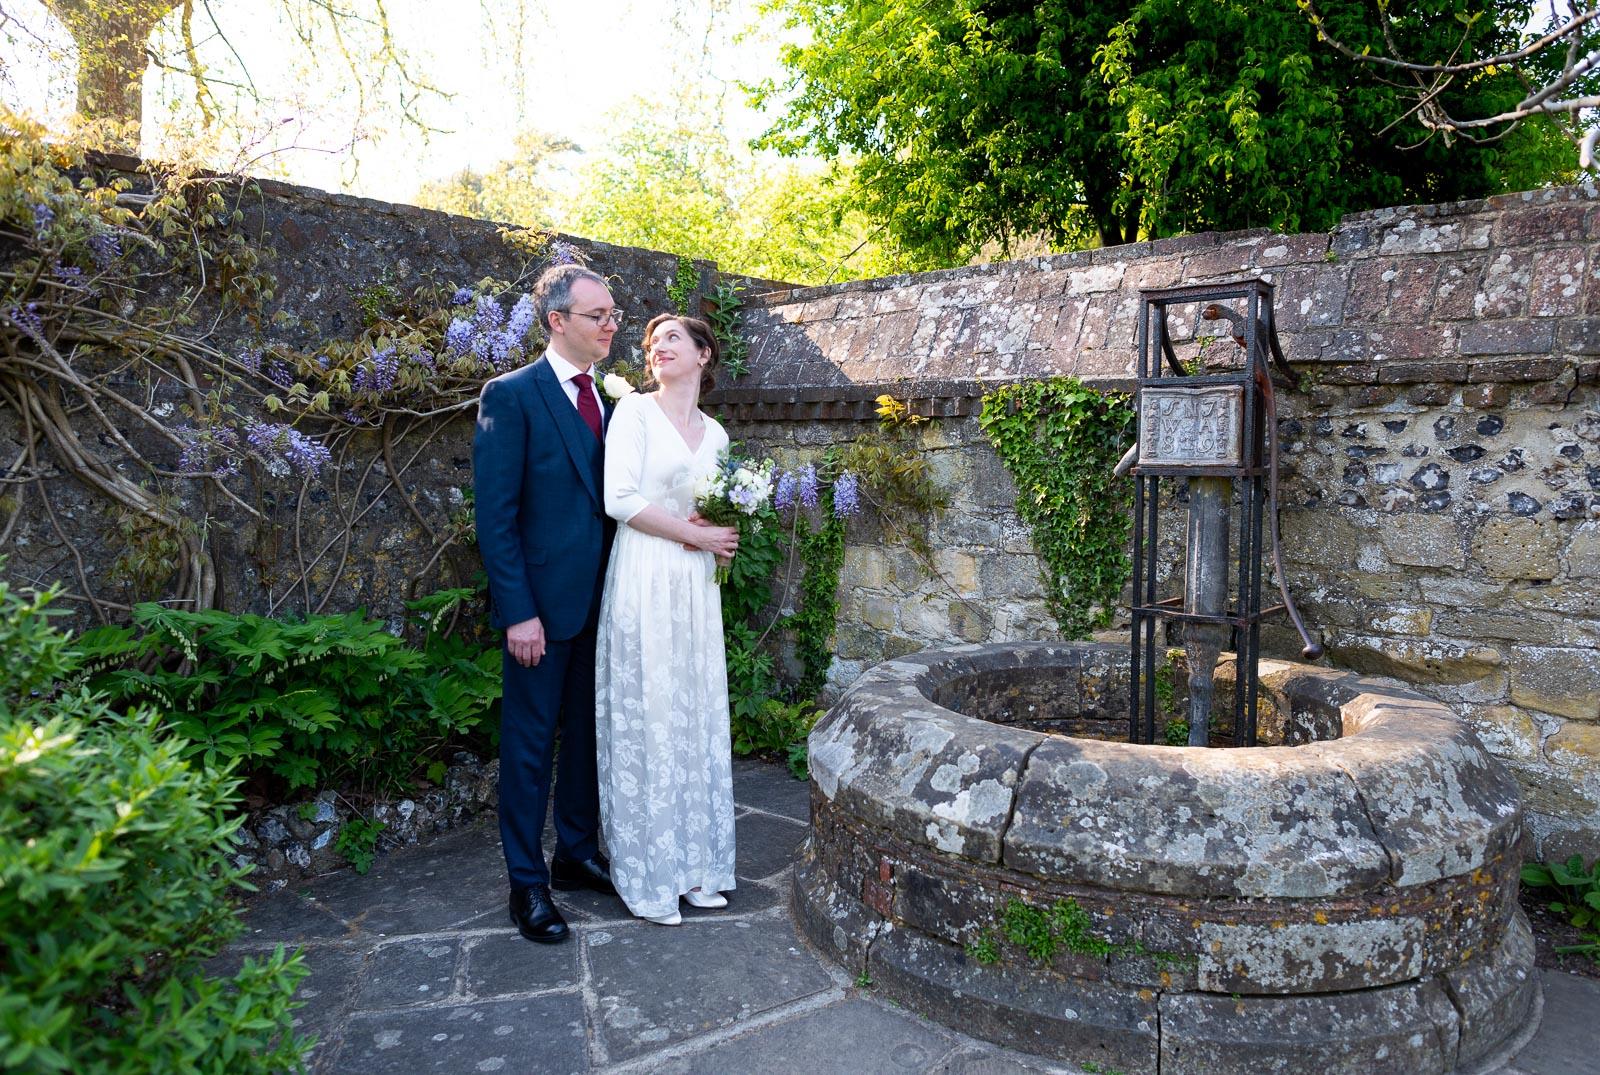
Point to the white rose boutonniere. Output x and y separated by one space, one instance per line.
615 385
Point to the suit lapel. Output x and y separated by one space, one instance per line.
575 435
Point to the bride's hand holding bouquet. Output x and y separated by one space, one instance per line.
733 495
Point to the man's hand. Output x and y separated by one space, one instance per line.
525 641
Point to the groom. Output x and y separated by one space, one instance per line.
537 461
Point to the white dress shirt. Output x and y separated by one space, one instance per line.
565 372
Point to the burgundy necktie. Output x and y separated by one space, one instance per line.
588 409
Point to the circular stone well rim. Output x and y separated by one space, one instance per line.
1382 863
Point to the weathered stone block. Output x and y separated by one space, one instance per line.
1495 995
1282 957
1111 1024
1557 284
1518 549
1424 541
1422 661
1506 338
1583 552
1088 812
1508 732
1565 682
1576 745
1401 1030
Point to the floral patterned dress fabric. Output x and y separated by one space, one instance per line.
661 685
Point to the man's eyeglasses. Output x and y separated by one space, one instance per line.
615 317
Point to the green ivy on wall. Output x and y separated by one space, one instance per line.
726 322
1060 442
684 285
822 551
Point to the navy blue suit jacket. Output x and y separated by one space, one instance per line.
539 503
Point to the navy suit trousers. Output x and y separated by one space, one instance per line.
556 694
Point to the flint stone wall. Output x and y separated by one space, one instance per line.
1440 502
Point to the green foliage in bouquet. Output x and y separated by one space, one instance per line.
114 877
309 701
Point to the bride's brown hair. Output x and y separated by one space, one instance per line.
701 334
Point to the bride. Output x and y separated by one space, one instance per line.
661 689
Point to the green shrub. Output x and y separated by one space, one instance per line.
309 701
1578 898
113 887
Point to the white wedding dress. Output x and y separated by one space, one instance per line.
661 685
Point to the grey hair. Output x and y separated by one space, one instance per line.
553 291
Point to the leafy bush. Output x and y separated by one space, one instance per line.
113 883
306 700
1578 890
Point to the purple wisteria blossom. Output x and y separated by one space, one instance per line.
70 275
105 248
808 486
462 296
250 359
27 319
458 337
563 253
377 374
523 316
273 441
208 451
43 215
489 315
783 492
846 495
280 373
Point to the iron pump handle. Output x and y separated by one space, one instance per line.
1311 650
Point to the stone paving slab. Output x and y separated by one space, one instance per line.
415 968
1565 1043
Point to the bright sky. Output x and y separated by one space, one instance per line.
583 59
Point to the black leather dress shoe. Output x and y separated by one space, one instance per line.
535 917
593 874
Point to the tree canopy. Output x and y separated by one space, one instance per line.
669 178
992 120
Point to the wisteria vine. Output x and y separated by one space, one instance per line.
102 287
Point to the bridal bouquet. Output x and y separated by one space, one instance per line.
732 495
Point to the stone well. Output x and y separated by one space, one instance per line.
1344 905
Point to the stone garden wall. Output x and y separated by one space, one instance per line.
329 254
1441 494
1441 503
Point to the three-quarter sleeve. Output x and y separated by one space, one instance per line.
625 443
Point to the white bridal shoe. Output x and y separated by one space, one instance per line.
699 899
673 919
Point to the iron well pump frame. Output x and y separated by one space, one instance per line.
1217 430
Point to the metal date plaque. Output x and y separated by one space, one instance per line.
1191 427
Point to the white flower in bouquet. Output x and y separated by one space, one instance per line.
731 494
